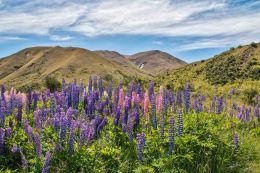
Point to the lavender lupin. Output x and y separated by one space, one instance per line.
102 124
180 123
100 87
71 138
186 98
2 116
24 162
46 163
37 120
179 98
140 145
171 134
129 129
69 116
117 116
37 144
9 131
236 139
30 133
161 123
2 140
19 112
256 113
63 125
153 109
219 106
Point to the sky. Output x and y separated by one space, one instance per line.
191 30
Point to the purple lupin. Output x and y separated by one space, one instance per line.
140 144
46 163
236 139
71 138
186 98
2 140
180 123
171 134
37 143
153 110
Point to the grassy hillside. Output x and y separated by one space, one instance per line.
156 62
31 66
236 68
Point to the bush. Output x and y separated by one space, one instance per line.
52 83
108 77
254 45
249 95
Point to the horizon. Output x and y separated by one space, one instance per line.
189 30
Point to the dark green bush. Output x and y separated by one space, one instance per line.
222 71
52 83
254 45
108 77
249 95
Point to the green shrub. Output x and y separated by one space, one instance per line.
254 45
108 77
52 83
249 95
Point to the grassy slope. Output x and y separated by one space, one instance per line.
31 66
156 62
197 72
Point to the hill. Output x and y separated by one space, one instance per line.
30 66
156 62
238 67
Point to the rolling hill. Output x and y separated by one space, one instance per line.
238 67
30 66
156 61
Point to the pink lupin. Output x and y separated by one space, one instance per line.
158 102
121 97
146 102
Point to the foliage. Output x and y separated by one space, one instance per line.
52 83
206 144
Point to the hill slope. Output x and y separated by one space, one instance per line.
31 66
238 67
156 62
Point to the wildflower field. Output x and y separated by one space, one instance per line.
97 127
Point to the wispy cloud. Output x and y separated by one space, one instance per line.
60 37
157 42
215 23
11 38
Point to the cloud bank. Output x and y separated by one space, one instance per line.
208 23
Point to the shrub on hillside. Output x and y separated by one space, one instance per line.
222 71
52 83
249 95
254 45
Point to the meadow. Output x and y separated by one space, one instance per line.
100 127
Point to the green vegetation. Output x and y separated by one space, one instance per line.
52 83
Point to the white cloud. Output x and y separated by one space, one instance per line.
60 37
140 17
11 38
39 20
217 42
157 42
206 19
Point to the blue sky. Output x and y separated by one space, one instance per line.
188 29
